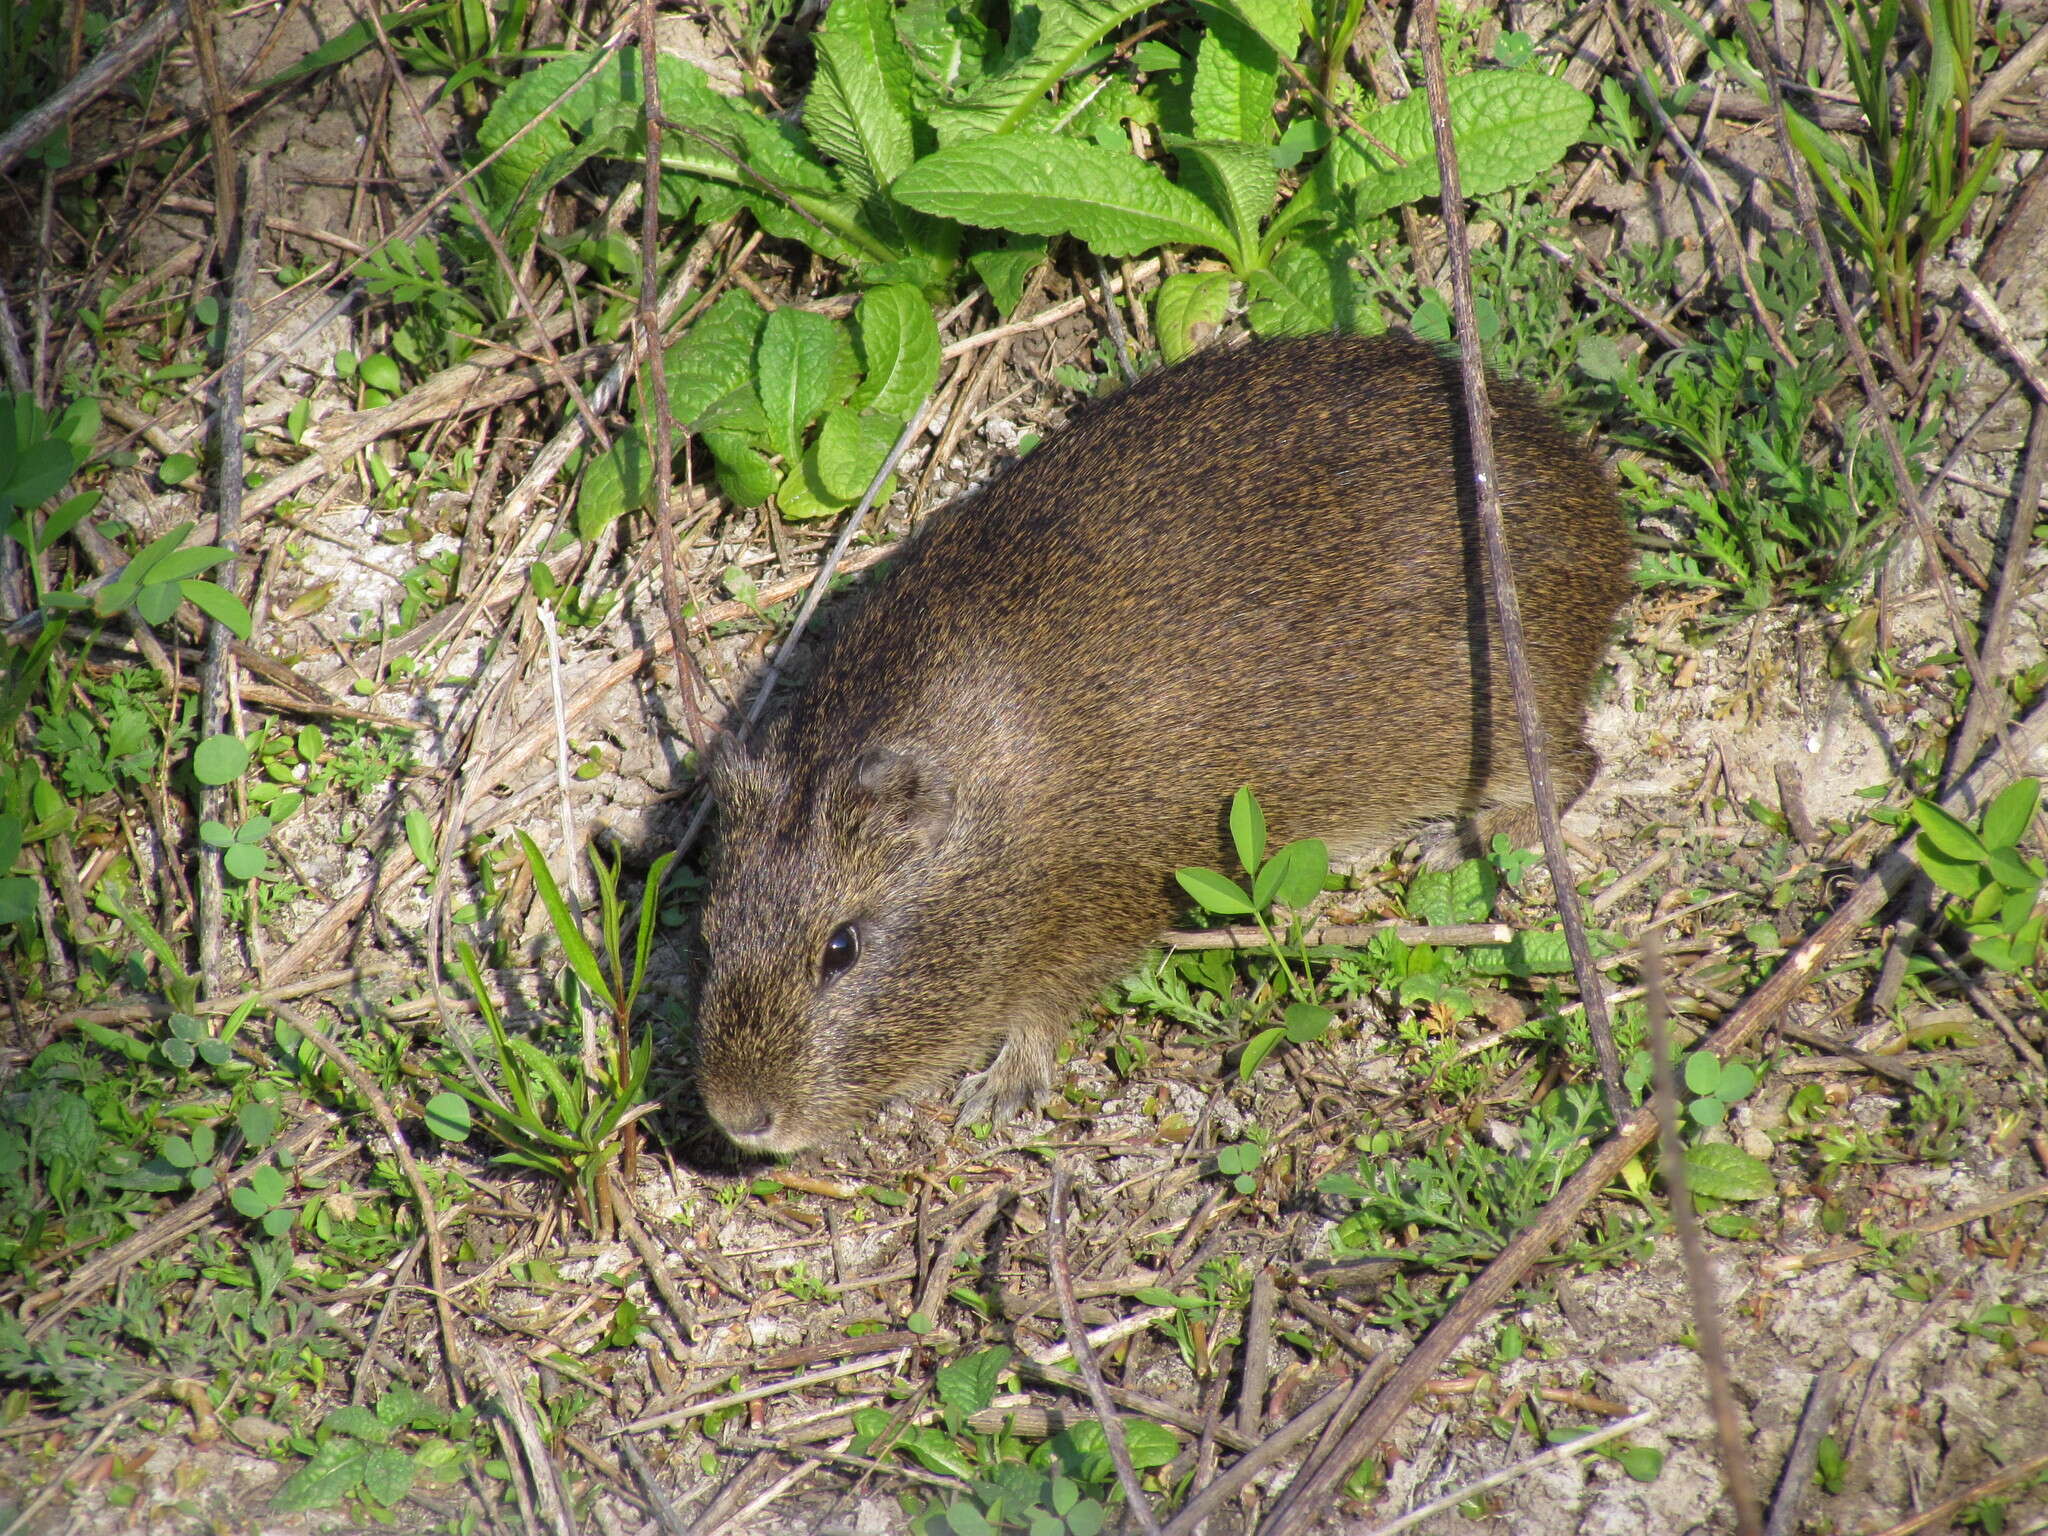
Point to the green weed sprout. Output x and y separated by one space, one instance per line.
1290 878
1983 867
568 1119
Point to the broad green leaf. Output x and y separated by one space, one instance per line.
793 375
1059 32
180 563
387 1476
1237 80
2006 821
858 111
1109 200
334 1472
968 1384
357 1423
244 861
1278 22
220 605
1966 878
1307 1023
1946 833
1248 829
744 473
1722 1172
1702 1072
219 759
1187 307
1303 865
142 567
711 359
851 447
1215 893
1311 288
899 351
615 482
419 837
1005 269
1509 127
158 601
1256 1050
1237 181
2010 870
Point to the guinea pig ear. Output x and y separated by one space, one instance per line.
738 779
910 789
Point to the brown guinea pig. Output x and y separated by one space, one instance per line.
1260 567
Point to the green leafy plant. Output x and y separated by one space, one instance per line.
1064 1487
378 1455
1907 189
1983 867
570 1118
1292 877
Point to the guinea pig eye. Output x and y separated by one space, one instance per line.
841 950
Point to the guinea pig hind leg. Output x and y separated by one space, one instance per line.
1511 812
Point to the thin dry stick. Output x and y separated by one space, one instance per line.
1451 935
1699 1273
1507 603
227 430
430 1219
1796 1480
1084 1357
688 676
1940 1514
1248 1466
1492 1285
101 75
528 1446
1541 1459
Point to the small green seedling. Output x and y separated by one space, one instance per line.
1983 867
1292 877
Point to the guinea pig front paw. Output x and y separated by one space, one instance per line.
1017 1079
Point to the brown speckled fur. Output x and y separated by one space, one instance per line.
1260 567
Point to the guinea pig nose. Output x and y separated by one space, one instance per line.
745 1121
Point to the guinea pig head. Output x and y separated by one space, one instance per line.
835 977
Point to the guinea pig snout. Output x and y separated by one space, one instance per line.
751 1118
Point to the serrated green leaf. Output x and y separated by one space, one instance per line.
968 1384
1004 270
1059 32
1310 288
1109 200
899 351
1215 893
334 1472
793 375
1722 1172
1237 80
1277 22
851 447
387 1476
858 111
1237 181
1187 306
744 473
1509 127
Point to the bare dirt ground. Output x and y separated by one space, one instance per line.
796 1297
